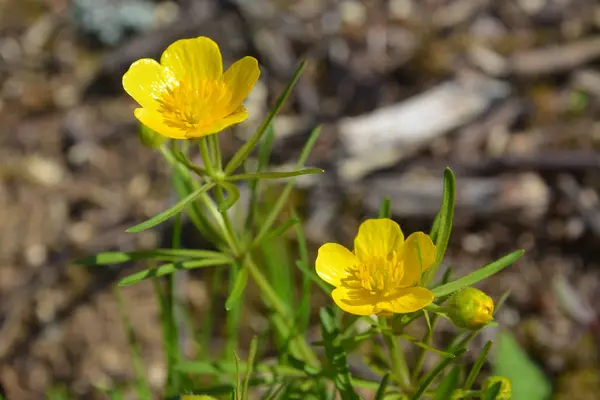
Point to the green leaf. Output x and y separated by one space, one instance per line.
324 286
251 357
274 175
229 368
119 257
527 380
264 155
283 197
233 195
448 384
382 387
480 274
493 392
277 231
425 346
385 210
444 229
170 268
244 151
478 365
165 215
432 375
435 227
241 280
185 184
304 307
336 355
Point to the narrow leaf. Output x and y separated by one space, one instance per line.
444 229
478 365
241 280
170 268
274 175
247 148
448 385
434 373
233 195
165 215
304 308
283 197
382 387
480 274
493 392
385 210
251 356
277 231
119 257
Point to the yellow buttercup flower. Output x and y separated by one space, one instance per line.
187 95
383 273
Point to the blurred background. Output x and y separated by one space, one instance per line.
507 93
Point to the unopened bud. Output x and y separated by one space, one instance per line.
150 138
470 308
505 392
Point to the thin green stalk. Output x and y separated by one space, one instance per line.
275 302
204 152
399 367
233 317
215 149
421 357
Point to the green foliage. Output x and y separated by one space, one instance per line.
339 371
528 381
269 249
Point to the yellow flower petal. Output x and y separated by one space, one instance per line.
146 81
377 238
409 300
238 116
354 301
240 78
419 255
155 121
333 262
194 60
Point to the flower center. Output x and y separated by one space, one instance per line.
188 106
381 275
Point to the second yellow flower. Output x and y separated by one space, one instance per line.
383 274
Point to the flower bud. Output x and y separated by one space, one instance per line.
505 392
150 138
470 308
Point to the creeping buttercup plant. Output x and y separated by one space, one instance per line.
386 281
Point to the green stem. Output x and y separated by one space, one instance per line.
243 254
215 147
204 152
421 357
399 367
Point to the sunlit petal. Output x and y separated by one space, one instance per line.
377 238
146 81
238 116
333 262
154 121
419 255
240 78
408 300
353 301
194 60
